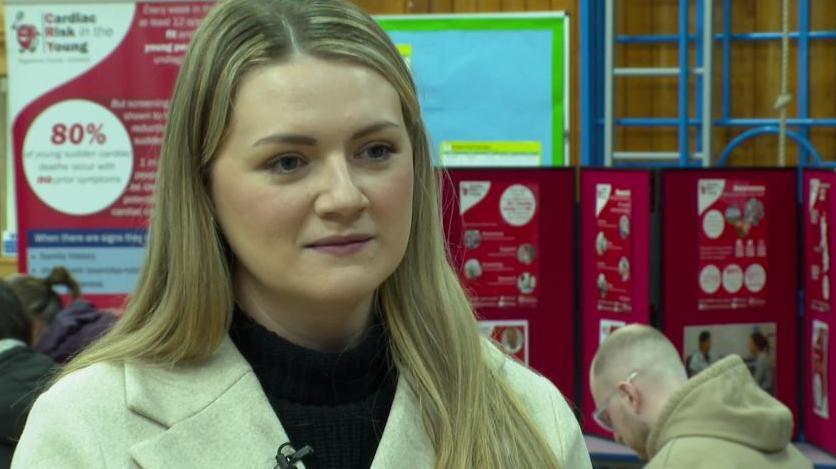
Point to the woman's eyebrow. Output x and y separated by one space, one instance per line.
370 129
298 139
292 139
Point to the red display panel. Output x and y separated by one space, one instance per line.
729 249
615 262
88 112
511 235
819 371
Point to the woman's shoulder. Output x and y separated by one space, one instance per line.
522 378
91 386
547 406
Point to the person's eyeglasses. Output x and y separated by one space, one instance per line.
601 415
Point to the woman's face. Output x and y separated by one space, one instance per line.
313 184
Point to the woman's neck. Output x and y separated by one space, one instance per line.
317 325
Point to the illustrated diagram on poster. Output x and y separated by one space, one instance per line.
819 370
511 335
818 246
86 134
613 248
733 244
501 243
607 327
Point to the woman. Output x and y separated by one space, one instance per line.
59 332
297 288
761 364
23 372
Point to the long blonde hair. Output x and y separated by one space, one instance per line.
182 306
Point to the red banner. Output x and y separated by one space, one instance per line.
511 235
614 247
89 90
819 373
727 235
615 219
733 240
500 222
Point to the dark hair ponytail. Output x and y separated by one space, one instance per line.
61 276
38 295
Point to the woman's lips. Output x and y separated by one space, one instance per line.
341 246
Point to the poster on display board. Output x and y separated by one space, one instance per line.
614 247
756 343
817 244
511 335
819 376
518 224
464 66
615 229
501 240
86 135
607 327
705 212
733 243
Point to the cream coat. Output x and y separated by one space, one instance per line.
216 416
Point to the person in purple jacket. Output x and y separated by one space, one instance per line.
57 331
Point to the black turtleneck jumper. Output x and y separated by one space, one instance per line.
337 403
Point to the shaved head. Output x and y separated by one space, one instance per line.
633 374
637 348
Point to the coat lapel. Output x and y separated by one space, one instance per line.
215 414
404 442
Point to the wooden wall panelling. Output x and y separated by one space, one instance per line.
381 7
488 6
441 6
538 5
464 6
513 5
664 99
755 76
419 6
633 94
823 77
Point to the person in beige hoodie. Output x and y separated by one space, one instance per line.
718 419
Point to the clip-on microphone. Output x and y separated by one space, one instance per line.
288 461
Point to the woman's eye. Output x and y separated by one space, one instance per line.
377 152
287 164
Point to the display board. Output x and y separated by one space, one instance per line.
729 263
819 320
615 224
511 236
493 87
89 90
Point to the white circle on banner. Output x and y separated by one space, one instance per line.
713 224
517 205
710 279
77 157
755 278
732 278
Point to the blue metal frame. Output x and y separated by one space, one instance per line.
682 137
592 33
800 139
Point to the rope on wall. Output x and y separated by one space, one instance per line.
784 98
